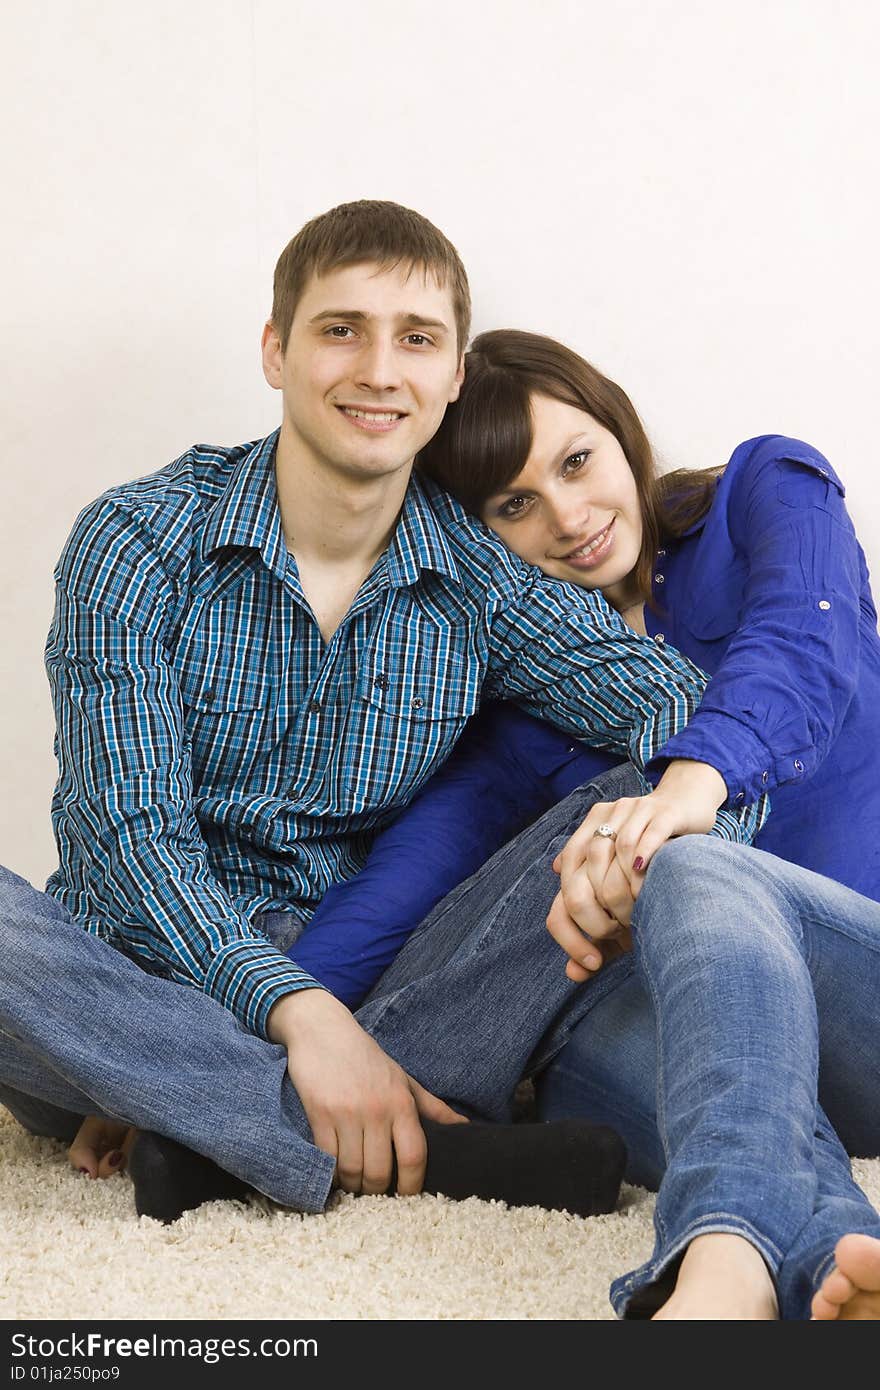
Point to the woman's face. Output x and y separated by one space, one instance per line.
573 510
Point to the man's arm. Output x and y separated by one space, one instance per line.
124 803
565 655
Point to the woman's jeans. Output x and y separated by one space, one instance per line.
748 977
736 947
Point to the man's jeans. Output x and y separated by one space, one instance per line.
477 998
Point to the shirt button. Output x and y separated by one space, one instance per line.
314 706
824 605
208 696
765 778
660 637
381 682
658 578
418 702
798 765
660 554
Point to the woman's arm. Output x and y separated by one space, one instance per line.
500 777
775 704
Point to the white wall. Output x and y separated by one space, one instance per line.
683 190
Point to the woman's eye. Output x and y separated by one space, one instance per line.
514 506
575 462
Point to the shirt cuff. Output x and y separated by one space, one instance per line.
746 764
249 977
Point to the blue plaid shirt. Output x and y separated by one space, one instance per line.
217 759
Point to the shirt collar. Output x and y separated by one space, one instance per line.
247 514
419 541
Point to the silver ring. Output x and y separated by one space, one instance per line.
605 832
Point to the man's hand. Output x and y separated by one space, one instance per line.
101 1147
361 1106
601 877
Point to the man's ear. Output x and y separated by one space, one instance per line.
459 378
273 357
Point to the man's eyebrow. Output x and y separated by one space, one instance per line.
359 316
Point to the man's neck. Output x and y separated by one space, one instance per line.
336 526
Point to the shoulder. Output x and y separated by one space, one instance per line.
779 463
157 518
486 568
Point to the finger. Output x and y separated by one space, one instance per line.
576 903
433 1108
568 934
411 1152
617 896
350 1159
660 830
378 1159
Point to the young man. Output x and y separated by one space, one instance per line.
258 655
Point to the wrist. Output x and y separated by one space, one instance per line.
685 777
295 1011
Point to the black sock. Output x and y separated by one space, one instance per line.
170 1179
565 1165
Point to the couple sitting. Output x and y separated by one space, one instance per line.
259 657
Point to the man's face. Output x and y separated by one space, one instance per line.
370 366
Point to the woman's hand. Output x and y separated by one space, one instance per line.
101 1147
602 875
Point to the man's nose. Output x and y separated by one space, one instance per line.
378 367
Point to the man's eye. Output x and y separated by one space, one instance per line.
575 462
340 331
418 339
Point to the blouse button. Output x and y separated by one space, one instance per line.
740 796
660 554
798 765
658 578
765 778
824 605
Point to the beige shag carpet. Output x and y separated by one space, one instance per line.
74 1249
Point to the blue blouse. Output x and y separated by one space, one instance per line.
769 594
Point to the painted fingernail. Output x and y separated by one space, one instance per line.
115 1159
84 1170
638 864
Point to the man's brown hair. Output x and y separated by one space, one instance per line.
384 233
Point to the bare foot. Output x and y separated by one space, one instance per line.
721 1278
852 1289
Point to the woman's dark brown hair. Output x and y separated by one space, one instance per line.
486 435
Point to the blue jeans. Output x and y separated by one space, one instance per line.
85 1030
476 999
749 978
